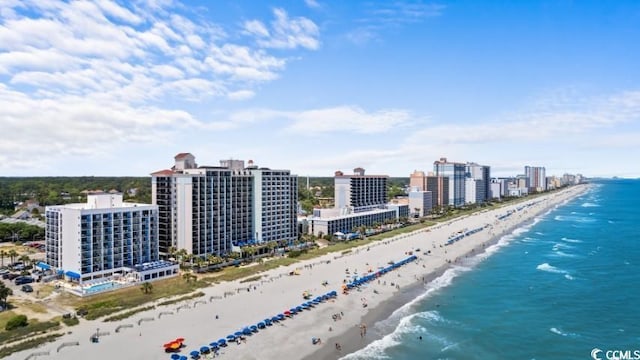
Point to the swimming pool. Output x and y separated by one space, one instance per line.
100 287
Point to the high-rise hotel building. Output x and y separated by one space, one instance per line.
455 172
360 200
359 191
100 238
210 209
537 176
437 185
478 183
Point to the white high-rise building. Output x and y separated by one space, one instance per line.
209 210
101 238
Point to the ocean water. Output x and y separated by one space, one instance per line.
556 288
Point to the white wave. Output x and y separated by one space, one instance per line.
588 204
375 350
568 277
441 281
538 233
574 218
611 221
558 246
562 254
562 333
566 239
549 268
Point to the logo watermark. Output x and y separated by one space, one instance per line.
599 354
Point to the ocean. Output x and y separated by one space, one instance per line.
561 287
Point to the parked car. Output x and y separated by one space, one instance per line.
4 271
10 276
20 280
27 288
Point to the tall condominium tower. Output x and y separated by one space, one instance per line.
482 176
100 238
208 210
456 174
537 177
438 185
359 191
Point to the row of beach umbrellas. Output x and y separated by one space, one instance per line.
382 271
249 330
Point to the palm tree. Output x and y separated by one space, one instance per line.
188 277
146 287
2 255
250 251
26 260
4 294
12 255
172 252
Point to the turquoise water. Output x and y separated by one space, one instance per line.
555 289
99 287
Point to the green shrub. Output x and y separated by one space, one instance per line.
71 321
16 322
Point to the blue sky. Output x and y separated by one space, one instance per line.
118 88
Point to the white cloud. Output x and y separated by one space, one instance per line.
86 75
44 129
379 17
285 33
241 95
344 119
312 4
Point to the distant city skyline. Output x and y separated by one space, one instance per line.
100 88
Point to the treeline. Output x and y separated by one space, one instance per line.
20 232
62 190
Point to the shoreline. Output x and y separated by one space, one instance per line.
234 305
352 342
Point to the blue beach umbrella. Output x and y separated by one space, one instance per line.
195 354
175 356
238 333
204 349
231 337
253 328
261 325
213 344
183 357
298 308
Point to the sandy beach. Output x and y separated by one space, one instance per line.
228 307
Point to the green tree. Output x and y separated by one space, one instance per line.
146 287
12 255
188 277
5 292
2 255
26 260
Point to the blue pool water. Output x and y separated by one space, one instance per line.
100 287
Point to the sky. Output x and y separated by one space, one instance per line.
118 88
